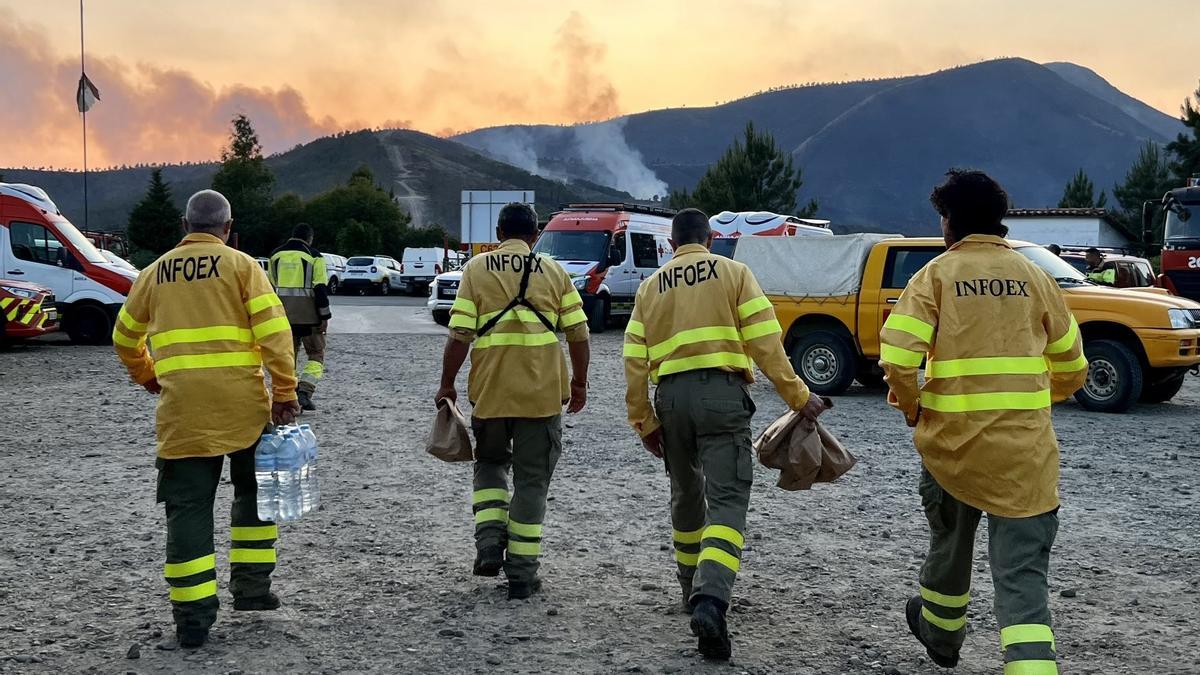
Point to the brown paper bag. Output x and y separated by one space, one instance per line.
450 440
805 453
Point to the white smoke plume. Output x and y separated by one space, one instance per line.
603 148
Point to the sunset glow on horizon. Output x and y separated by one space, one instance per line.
172 73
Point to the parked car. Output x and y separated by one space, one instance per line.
421 265
442 293
378 274
26 310
1132 272
335 269
265 264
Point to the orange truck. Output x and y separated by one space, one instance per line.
832 295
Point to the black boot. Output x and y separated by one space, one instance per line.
708 624
261 603
488 561
519 590
191 638
306 402
912 613
686 586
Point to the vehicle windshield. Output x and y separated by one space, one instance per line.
1061 270
587 246
724 246
79 242
360 262
1179 229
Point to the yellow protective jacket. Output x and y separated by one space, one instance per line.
702 311
1001 347
297 271
518 368
212 322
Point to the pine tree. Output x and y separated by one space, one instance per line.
1185 149
1080 193
1148 179
752 175
154 224
246 182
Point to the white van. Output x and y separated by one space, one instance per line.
39 246
419 266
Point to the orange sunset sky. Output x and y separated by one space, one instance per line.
171 72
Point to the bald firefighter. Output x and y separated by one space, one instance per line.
1001 346
509 305
213 322
697 325
297 270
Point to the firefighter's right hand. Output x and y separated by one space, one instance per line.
653 442
446 393
152 386
284 412
813 408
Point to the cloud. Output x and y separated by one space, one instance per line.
146 113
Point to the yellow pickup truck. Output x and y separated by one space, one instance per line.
1140 344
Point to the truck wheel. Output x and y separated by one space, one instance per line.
441 317
1162 384
598 316
88 325
1114 379
825 361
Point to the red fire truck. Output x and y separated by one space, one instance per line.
1181 240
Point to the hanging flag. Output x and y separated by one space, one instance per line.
87 95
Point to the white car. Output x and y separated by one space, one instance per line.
378 274
335 269
442 293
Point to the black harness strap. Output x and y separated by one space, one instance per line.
516 302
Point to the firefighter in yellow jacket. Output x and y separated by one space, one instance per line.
999 346
698 323
509 305
213 322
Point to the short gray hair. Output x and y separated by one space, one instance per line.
208 210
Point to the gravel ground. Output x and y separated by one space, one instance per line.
379 580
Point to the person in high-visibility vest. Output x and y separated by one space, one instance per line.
510 303
214 322
698 324
1095 268
999 346
297 271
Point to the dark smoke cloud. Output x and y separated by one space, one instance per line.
146 113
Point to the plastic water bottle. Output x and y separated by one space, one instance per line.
310 486
265 475
289 459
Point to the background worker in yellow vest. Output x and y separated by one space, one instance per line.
213 322
297 271
697 324
1095 265
1001 347
509 304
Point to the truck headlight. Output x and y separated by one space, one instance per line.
1180 318
20 292
580 282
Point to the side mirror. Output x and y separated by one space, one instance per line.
615 258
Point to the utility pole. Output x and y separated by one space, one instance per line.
83 110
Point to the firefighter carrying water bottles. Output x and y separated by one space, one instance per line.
214 322
697 324
509 304
999 346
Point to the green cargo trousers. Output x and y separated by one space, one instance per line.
531 447
1019 551
705 416
188 487
314 348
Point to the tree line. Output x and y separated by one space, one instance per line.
355 218
1156 171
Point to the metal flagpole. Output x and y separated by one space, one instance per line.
83 73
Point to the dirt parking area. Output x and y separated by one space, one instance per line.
379 580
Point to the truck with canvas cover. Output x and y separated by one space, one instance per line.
833 294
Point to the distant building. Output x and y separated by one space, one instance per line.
1066 227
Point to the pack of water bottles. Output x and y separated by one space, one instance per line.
285 465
